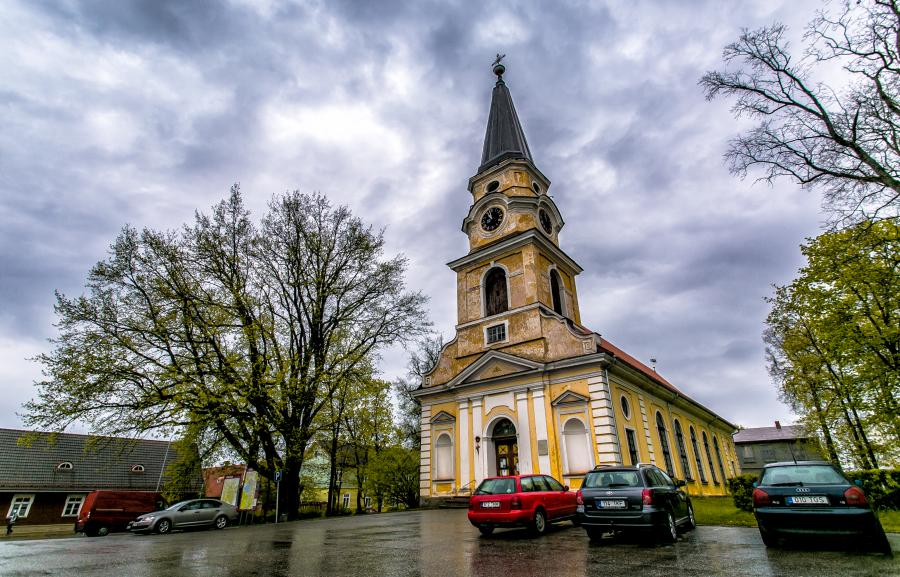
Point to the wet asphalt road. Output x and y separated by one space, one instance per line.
428 543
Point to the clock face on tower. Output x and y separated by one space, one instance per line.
545 221
492 219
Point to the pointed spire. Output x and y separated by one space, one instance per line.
504 137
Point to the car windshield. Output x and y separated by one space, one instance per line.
496 487
801 475
612 479
177 505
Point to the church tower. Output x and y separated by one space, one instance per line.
524 388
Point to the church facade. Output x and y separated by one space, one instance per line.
524 387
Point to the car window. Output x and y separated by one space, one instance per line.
527 484
612 479
666 479
654 479
496 487
540 484
211 504
554 484
802 475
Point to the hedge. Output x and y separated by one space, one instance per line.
741 488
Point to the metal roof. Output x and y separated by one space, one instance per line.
504 137
766 434
29 460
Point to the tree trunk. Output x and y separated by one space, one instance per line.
332 472
823 424
290 487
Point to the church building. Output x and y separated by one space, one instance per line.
524 387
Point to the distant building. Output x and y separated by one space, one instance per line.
761 445
45 477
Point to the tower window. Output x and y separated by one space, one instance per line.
496 333
495 297
556 292
493 185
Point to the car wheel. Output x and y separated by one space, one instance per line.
90 532
102 531
668 532
539 525
594 533
768 538
486 529
880 542
221 522
691 522
576 521
163 526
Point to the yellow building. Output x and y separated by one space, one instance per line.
524 387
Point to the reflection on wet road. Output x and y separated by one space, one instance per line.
428 543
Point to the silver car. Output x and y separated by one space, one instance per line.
185 515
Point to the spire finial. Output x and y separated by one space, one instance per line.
499 69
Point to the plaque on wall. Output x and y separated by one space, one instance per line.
542 447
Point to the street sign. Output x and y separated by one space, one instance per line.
277 476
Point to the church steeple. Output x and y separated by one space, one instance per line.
504 137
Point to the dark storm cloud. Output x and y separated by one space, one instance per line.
142 112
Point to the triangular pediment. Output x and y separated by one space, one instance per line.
443 417
569 398
494 364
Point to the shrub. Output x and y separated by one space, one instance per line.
741 488
882 486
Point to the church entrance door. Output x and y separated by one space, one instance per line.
506 448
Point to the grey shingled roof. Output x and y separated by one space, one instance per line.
504 137
768 434
29 460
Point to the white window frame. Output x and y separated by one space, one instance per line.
505 331
437 456
345 501
70 500
29 501
570 472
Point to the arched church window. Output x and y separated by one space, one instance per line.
682 451
719 457
664 443
578 449
504 428
495 297
443 449
709 460
556 292
697 456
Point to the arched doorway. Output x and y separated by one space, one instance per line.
506 448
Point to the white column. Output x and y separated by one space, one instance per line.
425 453
540 430
478 432
524 432
465 445
604 421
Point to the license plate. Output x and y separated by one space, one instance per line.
490 505
808 500
612 504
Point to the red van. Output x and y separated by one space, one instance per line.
106 511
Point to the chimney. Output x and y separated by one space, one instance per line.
778 425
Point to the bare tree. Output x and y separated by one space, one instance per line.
843 141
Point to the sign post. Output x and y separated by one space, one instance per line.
277 493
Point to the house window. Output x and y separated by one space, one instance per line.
556 292
747 452
682 451
73 505
712 470
626 408
64 466
632 446
719 457
664 443
443 453
345 501
578 450
21 504
137 469
496 333
768 454
697 456
367 502
495 297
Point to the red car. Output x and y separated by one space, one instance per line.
532 501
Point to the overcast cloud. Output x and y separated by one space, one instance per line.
119 112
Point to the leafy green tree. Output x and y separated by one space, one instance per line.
841 141
243 330
422 359
833 342
394 473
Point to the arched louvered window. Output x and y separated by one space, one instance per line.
709 460
682 451
697 456
664 443
496 300
556 292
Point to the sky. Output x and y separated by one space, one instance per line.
142 112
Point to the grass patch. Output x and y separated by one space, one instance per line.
720 511
890 520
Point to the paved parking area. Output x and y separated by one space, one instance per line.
427 543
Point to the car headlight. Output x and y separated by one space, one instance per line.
150 518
